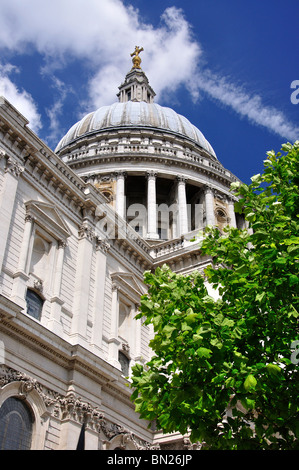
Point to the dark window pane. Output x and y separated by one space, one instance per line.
15 425
34 304
124 363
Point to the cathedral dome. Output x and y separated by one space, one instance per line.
135 114
138 153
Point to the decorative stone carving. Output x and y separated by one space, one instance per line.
125 347
13 167
71 407
38 285
102 245
85 232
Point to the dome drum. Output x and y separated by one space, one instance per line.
105 149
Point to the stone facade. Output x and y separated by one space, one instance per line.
72 258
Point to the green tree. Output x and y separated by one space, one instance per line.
223 368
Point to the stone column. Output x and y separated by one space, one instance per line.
209 200
102 248
231 212
137 345
151 206
120 193
182 205
82 282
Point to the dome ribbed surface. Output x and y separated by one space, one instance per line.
135 115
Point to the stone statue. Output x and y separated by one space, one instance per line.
136 59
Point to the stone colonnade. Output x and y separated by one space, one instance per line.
181 222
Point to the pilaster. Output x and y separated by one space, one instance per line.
82 284
20 276
113 341
12 172
54 323
102 247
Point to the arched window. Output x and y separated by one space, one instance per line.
16 423
34 304
124 363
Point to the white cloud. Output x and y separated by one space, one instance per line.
102 34
20 99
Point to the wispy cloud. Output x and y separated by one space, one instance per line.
246 105
55 112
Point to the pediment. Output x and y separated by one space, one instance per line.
48 216
129 285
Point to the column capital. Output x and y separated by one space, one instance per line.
102 245
85 232
61 244
120 174
231 199
13 167
3 153
208 189
29 218
181 179
151 174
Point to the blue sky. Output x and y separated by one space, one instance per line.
228 66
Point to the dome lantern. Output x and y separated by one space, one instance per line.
136 85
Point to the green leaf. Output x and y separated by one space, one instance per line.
273 369
293 312
293 279
146 306
186 327
163 419
203 352
248 403
250 382
216 342
280 261
260 297
292 241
